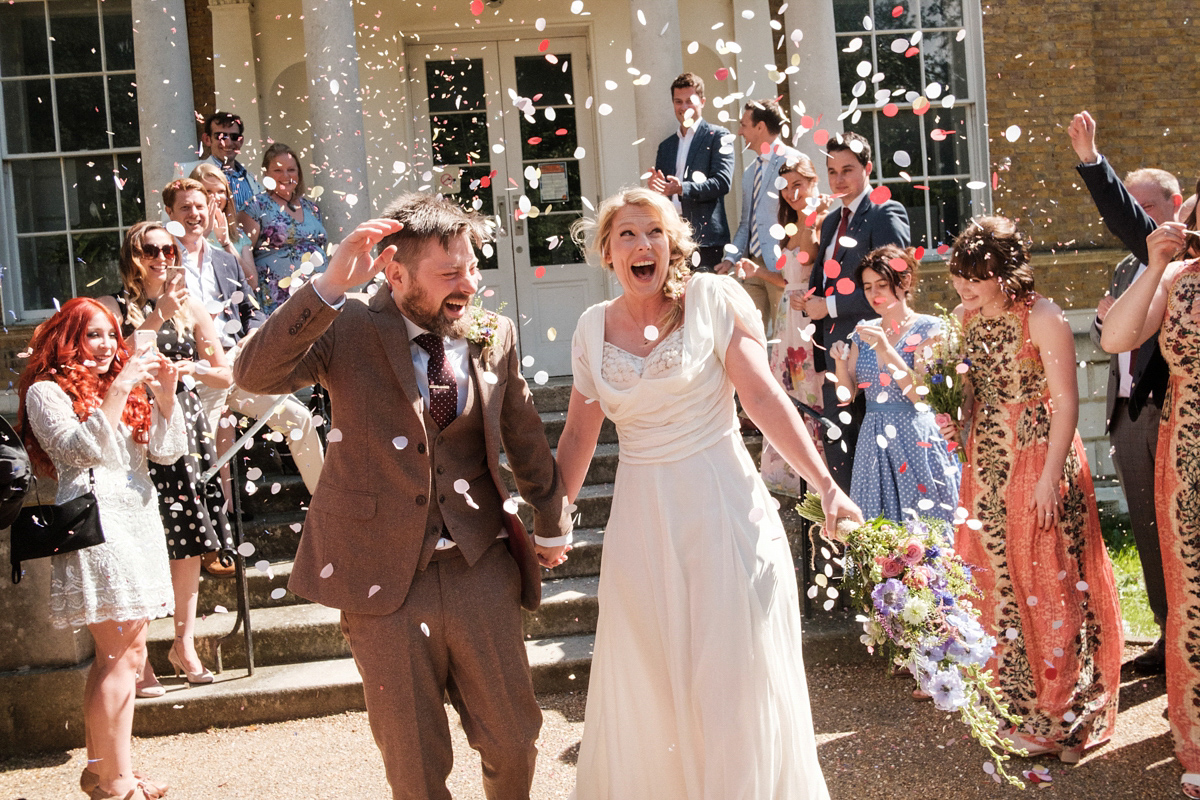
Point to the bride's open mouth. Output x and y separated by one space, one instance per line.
642 270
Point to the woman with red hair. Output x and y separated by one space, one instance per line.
87 421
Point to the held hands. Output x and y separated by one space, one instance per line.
747 269
351 264
724 267
1082 131
1047 503
551 557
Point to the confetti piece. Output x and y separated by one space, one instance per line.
374 588
891 110
277 594
246 549
425 629
756 514
721 74
462 486
1012 133
651 333
880 195
216 610
400 442
477 7
326 570
335 435
262 565
176 229
541 377
540 272
552 333
1082 586
254 473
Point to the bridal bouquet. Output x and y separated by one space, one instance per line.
915 594
943 370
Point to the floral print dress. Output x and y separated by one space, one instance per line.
282 244
792 365
1048 596
1177 476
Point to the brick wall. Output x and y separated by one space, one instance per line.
200 45
1132 63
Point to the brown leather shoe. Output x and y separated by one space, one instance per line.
1153 661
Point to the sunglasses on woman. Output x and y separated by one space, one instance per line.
154 251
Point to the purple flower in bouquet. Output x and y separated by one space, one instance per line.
889 597
947 689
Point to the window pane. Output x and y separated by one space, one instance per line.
467 197
45 271
887 18
550 240
949 156
546 138
913 200
38 196
29 116
941 13
899 71
849 65
97 263
118 34
82 121
950 202
75 28
901 133
848 14
455 85
23 42
128 181
122 105
459 138
91 193
545 83
946 63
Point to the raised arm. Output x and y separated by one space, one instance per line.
1122 214
1138 312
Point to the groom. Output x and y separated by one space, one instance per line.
411 532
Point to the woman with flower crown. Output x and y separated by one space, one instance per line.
1032 533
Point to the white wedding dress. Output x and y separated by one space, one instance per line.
697 687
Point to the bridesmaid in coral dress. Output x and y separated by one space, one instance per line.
1166 298
1032 530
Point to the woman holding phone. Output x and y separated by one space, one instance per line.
156 310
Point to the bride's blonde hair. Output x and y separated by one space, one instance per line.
594 235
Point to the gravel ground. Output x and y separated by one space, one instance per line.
875 741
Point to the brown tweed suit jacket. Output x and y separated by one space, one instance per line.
368 517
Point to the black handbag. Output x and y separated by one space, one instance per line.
42 531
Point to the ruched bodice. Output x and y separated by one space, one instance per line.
669 414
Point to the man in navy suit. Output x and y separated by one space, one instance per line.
694 168
837 303
761 124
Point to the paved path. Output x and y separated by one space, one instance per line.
875 742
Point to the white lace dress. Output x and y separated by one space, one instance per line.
128 576
697 688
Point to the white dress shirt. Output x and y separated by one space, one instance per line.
685 146
831 300
201 281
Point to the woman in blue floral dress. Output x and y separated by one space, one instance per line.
285 226
902 466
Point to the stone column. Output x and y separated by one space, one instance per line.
234 73
754 36
657 53
166 112
816 83
335 110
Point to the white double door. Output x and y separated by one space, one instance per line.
505 131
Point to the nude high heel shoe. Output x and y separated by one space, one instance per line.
193 678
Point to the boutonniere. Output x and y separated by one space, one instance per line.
484 326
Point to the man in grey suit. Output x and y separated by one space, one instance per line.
694 168
762 122
1133 436
837 303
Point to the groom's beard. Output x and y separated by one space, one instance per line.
418 307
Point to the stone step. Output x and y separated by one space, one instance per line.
286 634
554 395
592 507
318 688
266 589
275 493
584 558
275 536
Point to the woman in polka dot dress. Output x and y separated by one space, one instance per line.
155 298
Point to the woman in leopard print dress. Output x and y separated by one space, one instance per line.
1032 530
1166 298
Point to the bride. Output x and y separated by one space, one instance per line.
697 689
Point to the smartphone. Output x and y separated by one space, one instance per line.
145 343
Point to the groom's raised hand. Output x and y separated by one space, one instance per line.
351 263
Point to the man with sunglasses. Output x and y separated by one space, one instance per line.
223 138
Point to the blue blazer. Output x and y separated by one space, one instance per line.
767 212
703 202
871 226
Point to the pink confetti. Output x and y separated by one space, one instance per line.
544 46
846 286
821 137
371 592
722 73
880 195
326 570
540 272
891 110
477 7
